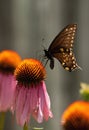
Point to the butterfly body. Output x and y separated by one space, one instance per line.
50 57
62 49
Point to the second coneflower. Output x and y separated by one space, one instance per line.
31 95
76 116
9 60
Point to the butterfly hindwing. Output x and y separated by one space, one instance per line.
67 60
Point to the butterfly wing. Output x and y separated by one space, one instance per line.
62 46
64 40
67 60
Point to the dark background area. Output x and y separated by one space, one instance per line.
23 26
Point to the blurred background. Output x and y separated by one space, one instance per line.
27 26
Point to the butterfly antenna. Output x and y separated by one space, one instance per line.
43 47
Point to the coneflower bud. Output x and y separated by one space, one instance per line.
84 91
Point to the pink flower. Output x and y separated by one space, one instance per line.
8 62
31 97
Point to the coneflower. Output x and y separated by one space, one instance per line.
31 98
76 116
9 60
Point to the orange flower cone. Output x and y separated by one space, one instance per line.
76 116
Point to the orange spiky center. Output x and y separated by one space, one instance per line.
76 116
9 60
30 71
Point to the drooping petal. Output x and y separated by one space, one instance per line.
13 105
36 102
26 110
20 103
43 110
30 105
37 112
34 97
1 78
45 101
8 86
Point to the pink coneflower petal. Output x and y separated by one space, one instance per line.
39 113
6 95
15 97
34 96
43 111
45 102
27 110
1 78
20 103
30 104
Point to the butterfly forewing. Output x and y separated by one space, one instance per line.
64 39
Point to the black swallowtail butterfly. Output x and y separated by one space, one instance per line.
62 49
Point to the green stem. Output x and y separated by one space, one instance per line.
2 120
25 127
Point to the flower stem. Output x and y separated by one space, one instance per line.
25 127
2 120
36 128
